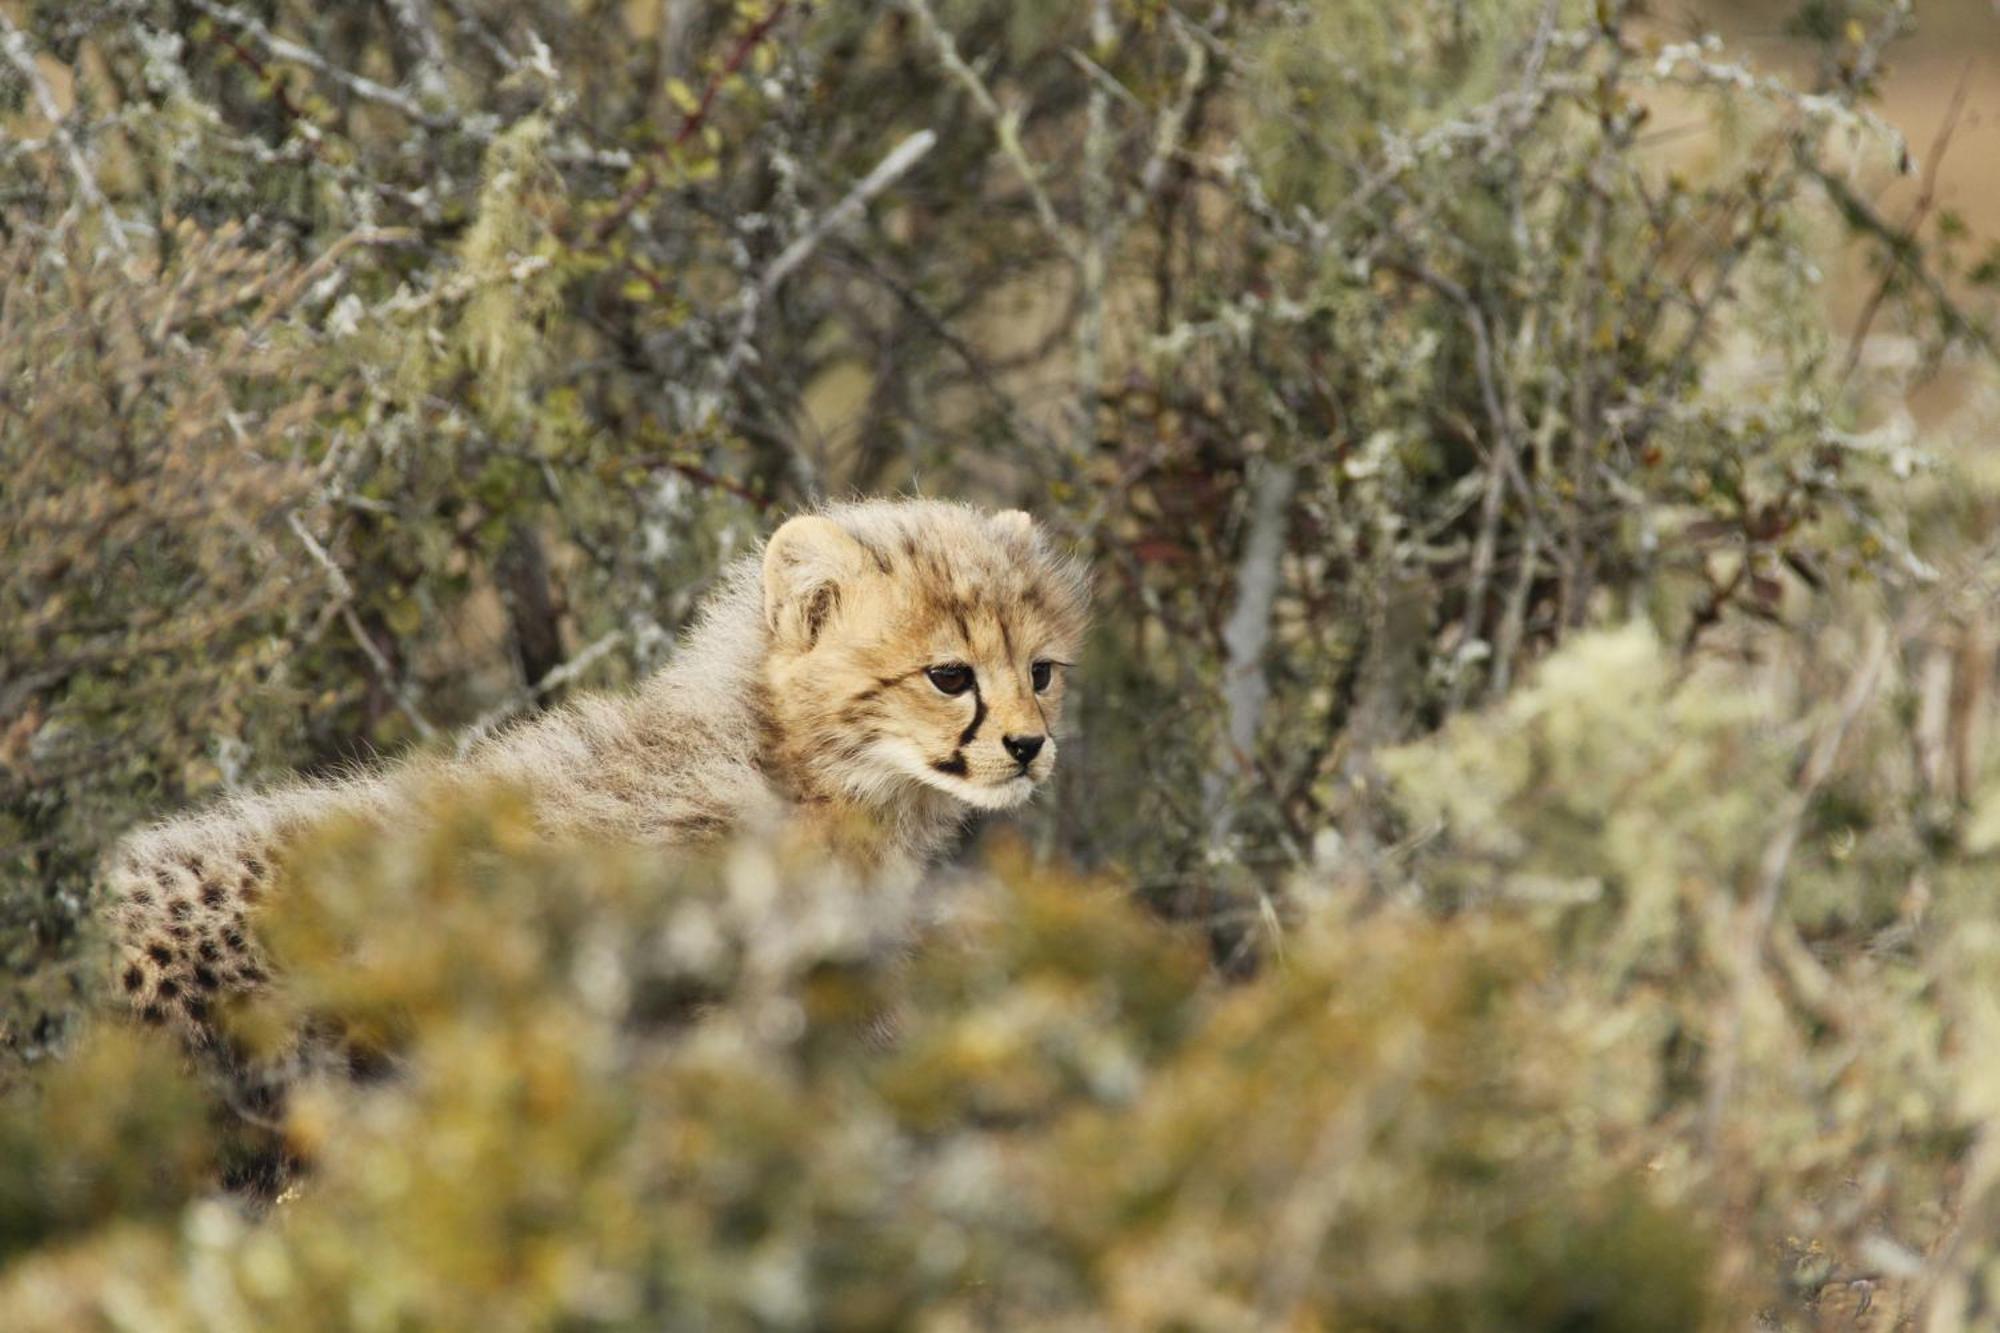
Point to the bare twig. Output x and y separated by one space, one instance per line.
335 575
887 172
1919 211
343 592
695 120
413 17
14 43
704 477
1818 766
469 20
1586 405
1754 925
558 676
358 84
1091 251
979 369
1245 688
1006 125
1514 619
283 299
1172 128
1695 65
1498 465
1863 216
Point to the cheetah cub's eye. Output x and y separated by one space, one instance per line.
1041 673
951 678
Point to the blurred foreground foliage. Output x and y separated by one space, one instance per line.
1541 1072
1538 649
633 1097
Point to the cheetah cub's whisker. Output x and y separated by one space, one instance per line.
884 669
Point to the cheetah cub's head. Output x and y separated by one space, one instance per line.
920 642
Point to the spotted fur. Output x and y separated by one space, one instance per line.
802 704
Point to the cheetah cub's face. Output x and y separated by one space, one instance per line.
920 642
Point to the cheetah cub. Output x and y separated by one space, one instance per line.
881 671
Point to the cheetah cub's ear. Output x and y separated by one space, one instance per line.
806 564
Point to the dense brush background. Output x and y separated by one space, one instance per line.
1529 854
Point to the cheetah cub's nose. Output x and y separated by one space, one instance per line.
1023 748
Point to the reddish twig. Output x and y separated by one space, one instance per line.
1919 212
696 473
691 124
279 92
275 83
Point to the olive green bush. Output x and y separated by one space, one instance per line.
1070 1125
1546 1069
146 600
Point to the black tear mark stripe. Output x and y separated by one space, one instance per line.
978 716
955 766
